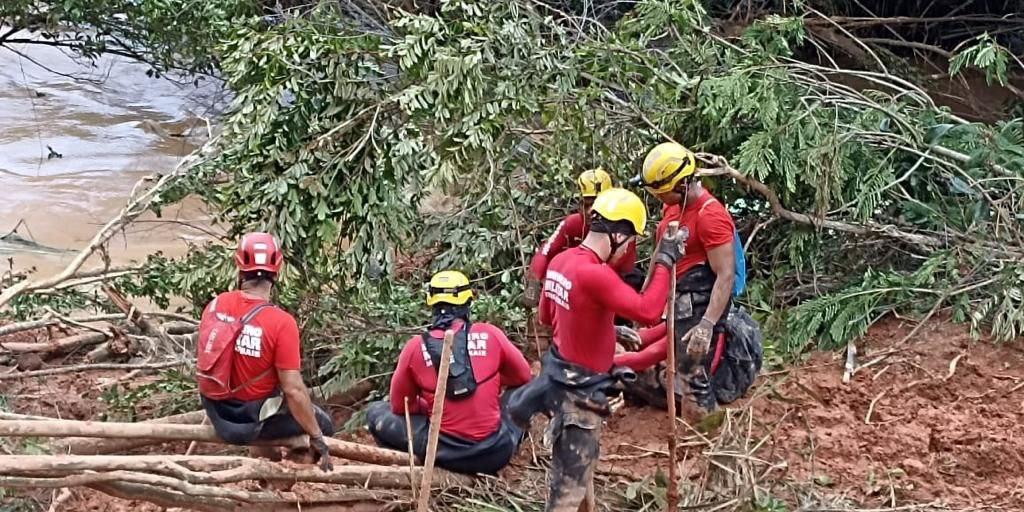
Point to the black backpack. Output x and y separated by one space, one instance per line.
461 380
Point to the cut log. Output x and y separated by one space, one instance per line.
200 469
58 346
171 432
350 500
134 315
95 446
46 322
85 479
179 327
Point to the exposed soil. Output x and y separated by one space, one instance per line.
944 424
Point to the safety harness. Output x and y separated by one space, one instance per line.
461 380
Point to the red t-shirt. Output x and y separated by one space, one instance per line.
269 341
496 363
570 233
709 225
581 298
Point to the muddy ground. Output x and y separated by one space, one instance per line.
937 420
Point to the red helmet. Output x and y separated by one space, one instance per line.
259 251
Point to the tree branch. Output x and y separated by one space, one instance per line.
209 470
721 167
853 21
91 367
907 44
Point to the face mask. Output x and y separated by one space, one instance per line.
446 314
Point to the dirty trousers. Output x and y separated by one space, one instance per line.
242 422
576 400
576 446
486 456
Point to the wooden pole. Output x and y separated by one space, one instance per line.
99 446
172 432
670 377
204 469
412 455
435 421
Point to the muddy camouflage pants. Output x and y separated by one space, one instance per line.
737 368
576 400
575 449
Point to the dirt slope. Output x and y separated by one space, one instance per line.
944 425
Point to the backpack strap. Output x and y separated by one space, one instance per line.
254 311
245 320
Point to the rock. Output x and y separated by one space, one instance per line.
913 467
29 362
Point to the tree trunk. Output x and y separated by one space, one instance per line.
94 446
171 432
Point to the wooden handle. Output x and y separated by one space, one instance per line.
670 231
670 378
435 421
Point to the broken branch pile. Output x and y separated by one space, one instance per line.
201 482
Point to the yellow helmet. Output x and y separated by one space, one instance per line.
592 182
665 166
449 287
620 204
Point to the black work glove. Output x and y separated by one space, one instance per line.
628 338
320 447
670 249
531 295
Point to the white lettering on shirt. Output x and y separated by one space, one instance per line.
476 343
250 342
556 288
551 240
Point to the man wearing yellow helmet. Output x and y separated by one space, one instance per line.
582 296
705 276
570 233
476 437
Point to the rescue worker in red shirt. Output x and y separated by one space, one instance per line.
705 277
582 296
268 399
476 435
570 233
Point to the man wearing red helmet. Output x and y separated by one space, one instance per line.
250 381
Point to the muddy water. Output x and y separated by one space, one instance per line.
111 125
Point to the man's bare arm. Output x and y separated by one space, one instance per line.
723 263
296 395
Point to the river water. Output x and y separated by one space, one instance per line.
111 125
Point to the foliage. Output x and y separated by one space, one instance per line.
27 307
167 34
450 140
173 393
986 55
12 503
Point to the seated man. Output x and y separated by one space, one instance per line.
249 377
476 435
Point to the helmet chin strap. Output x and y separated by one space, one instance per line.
686 193
614 246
